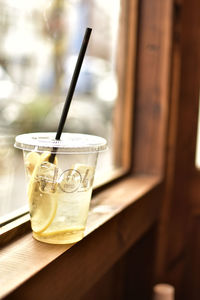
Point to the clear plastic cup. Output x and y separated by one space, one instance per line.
59 193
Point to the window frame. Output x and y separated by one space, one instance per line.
147 158
124 105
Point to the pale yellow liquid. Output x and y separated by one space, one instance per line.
70 219
59 200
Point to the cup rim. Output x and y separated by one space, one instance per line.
69 142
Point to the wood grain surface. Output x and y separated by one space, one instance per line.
125 219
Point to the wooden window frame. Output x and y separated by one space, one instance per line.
127 207
18 221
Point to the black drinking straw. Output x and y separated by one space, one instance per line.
71 90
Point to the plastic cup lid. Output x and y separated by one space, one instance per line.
69 142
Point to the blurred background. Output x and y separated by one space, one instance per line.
39 44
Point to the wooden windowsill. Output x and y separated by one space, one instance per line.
118 217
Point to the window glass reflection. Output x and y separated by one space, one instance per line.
40 40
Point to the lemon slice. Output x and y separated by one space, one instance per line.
43 204
60 232
62 236
70 236
31 160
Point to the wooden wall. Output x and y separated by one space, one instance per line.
171 252
178 260
132 276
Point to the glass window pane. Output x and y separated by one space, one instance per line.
40 41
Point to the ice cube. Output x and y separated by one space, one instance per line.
47 176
